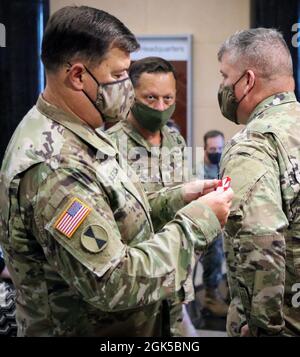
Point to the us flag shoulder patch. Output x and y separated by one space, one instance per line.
72 217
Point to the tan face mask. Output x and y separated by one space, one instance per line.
114 99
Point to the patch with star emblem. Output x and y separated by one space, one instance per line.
94 238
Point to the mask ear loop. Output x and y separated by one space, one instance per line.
91 74
104 84
88 71
69 68
86 94
244 96
100 85
236 82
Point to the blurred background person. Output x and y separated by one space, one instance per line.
212 259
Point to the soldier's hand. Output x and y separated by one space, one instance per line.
245 331
5 274
195 189
219 203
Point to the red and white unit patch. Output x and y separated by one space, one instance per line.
224 184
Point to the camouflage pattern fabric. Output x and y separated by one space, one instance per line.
262 236
158 174
62 183
120 92
160 169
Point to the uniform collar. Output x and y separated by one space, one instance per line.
168 140
139 139
272 101
72 122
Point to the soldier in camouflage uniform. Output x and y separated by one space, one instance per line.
76 229
262 236
154 150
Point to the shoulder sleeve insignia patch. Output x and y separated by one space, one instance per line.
94 238
72 217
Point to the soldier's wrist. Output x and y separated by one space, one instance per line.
205 220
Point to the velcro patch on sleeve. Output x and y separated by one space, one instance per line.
94 238
72 217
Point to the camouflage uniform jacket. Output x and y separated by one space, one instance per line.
159 168
262 236
78 237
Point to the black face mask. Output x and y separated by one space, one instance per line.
215 158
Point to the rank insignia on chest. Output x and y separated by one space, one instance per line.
72 217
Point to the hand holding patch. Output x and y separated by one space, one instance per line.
224 184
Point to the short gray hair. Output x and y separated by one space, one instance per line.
265 50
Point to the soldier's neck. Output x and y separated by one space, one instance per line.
74 105
56 100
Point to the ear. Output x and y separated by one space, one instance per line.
250 81
75 74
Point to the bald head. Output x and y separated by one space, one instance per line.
263 50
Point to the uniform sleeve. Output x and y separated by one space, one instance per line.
166 202
256 229
164 205
95 260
